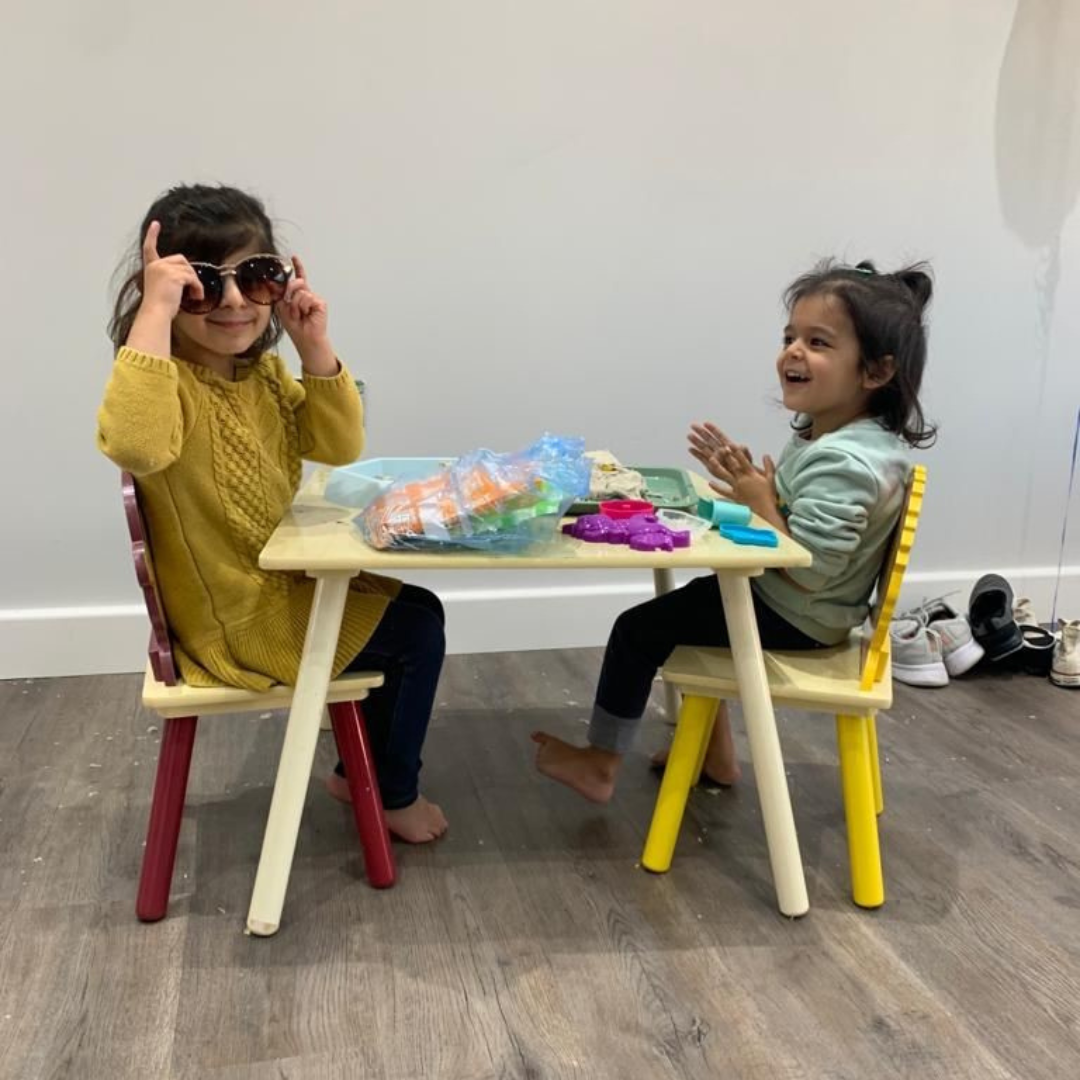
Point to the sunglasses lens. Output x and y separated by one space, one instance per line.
262 279
213 287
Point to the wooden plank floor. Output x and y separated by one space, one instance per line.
529 944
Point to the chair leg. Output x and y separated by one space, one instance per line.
355 750
664 582
682 770
875 767
704 748
166 813
864 852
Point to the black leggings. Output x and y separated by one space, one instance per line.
645 636
408 647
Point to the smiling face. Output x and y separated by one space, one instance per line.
227 331
820 366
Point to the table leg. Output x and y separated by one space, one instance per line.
664 581
297 754
768 762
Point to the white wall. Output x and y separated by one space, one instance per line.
576 216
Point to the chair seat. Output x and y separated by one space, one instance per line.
183 700
814 679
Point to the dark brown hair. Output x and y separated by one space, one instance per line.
206 224
886 311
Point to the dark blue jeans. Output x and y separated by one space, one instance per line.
408 647
645 636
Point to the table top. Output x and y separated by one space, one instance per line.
316 535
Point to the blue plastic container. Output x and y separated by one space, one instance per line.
357 484
721 512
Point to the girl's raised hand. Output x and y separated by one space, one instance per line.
742 481
165 278
707 441
302 312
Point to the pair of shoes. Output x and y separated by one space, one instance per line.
932 643
960 652
1065 668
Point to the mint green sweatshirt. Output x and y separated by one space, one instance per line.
843 493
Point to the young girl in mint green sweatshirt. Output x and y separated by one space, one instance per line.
850 368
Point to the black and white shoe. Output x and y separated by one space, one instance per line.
990 612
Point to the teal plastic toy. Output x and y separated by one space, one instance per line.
744 534
721 512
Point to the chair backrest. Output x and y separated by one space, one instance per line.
892 577
160 647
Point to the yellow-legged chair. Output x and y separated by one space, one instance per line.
853 680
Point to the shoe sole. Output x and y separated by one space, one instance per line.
1067 682
927 675
963 658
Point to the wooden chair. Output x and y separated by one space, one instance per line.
854 680
181 705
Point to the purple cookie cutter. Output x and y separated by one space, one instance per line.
643 532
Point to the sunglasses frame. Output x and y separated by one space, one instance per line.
229 270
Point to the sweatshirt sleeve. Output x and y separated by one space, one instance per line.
140 423
830 505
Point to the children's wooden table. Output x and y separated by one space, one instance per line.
319 539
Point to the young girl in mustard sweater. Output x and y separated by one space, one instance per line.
213 426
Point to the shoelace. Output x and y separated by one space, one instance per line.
897 625
922 612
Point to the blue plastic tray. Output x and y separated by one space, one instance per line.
359 483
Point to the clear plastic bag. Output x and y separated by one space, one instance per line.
483 501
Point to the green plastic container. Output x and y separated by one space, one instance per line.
666 489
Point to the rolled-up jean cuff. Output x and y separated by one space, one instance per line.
612 733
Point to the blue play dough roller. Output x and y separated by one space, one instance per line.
721 512
743 534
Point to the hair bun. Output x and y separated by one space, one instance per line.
918 282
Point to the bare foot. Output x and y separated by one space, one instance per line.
717 770
588 771
338 787
418 823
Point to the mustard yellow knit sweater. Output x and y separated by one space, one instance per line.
217 464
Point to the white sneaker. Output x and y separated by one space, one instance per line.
1065 670
960 651
916 653
1024 613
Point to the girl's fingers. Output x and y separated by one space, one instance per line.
191 281
716 434
149 247
720 470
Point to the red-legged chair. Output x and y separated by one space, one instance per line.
181 705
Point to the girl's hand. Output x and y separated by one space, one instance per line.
164 279
707 441
303 314
742 481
